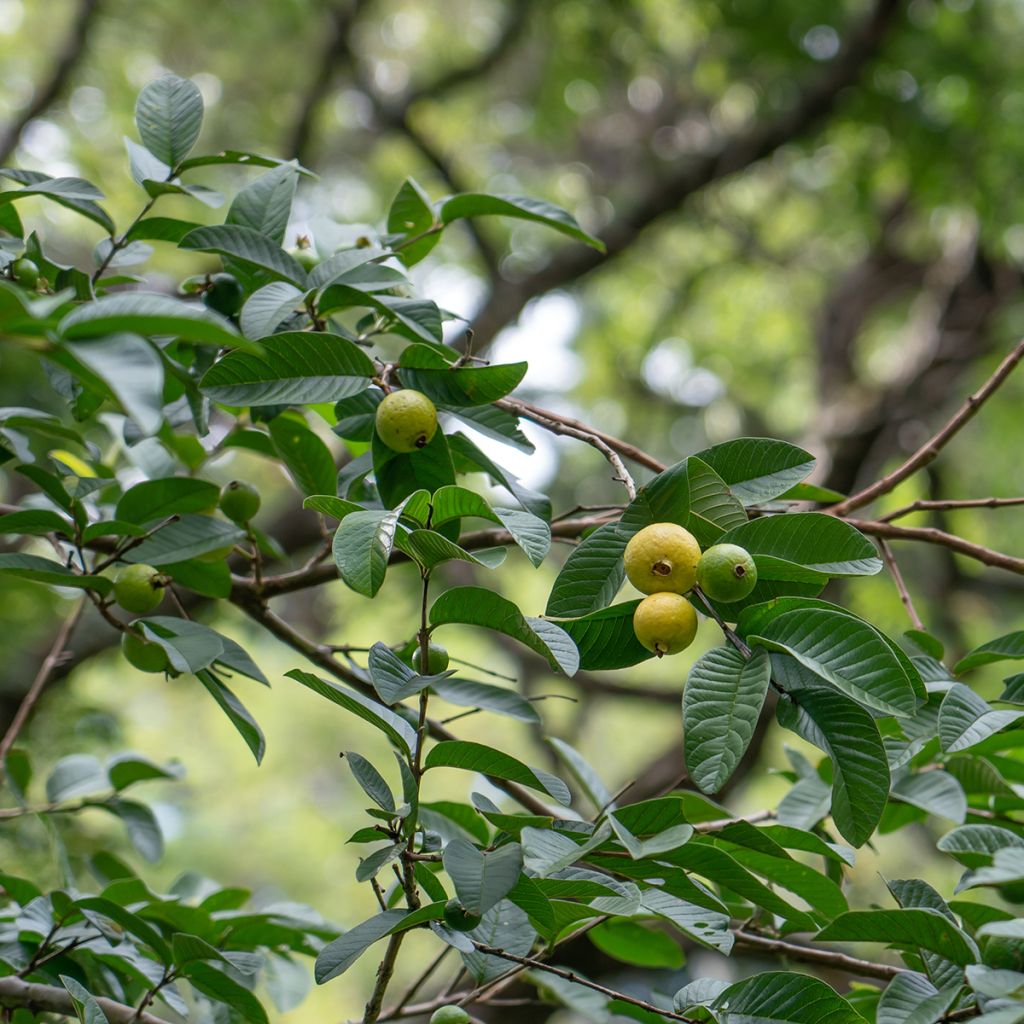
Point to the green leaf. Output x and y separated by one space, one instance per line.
476 204
936 792
591 575
782 997
45 570
481 880
169 116
237 713
87 1010
912 928
399 474
265 204
707 927
296 368
308 459
847 652
134 372
758 469
498 699
975 846
713 508
141 825
150 500
457 386
371 782
125 770
585 775
86 207
476 606
64 188
530 532
810 541
965 719
632 943
160 229
471 459
429 548
721 705
35 522
848 734
475 757
1003 648
247 246
268 307
396 728
148 313
222 988
362 547
188 537
605 639
411 214
76 775
338 956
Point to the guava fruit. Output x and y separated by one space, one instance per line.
239 501
726 572
665 623
662 558
450 1015
25 272
224 294
437 660
458 918
145 655
406 420
139 588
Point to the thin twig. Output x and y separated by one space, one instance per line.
50 662
75 47
15 993
821 957
929 451
948 506
901 586
931 535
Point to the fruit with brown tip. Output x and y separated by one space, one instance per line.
665 623
662 558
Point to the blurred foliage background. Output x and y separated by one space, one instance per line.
816 232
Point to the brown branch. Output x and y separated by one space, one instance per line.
949 506
820 957
929 451
663 197
18 994
558 424
930 535
322 657
67 59
571 976
50 662
901 586
341 18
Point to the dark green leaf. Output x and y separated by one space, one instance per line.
475 757
475 204
169 116
758 469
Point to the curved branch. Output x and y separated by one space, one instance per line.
665 196
18 994
929 451
68 58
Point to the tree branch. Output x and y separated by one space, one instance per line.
665 196
930 535
901 586
336 48
50 662
949 506
820 957
18 994
67 59
929 451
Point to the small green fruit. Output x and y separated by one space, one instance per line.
726 572
458 918
145 655
406 420
665 623
239 501
224 294
304 254
25 272
437 659
139 588
450 1015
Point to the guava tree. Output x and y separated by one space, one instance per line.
265 347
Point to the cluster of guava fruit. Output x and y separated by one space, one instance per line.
665 562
